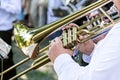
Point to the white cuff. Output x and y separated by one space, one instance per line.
87 58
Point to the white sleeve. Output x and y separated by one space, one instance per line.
67 69
104 65
12 6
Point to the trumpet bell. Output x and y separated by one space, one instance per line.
23 36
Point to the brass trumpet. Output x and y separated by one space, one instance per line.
28 39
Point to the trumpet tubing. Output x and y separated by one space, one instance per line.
27 37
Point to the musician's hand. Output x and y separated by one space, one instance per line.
95 14
86 47
70 26
56 49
